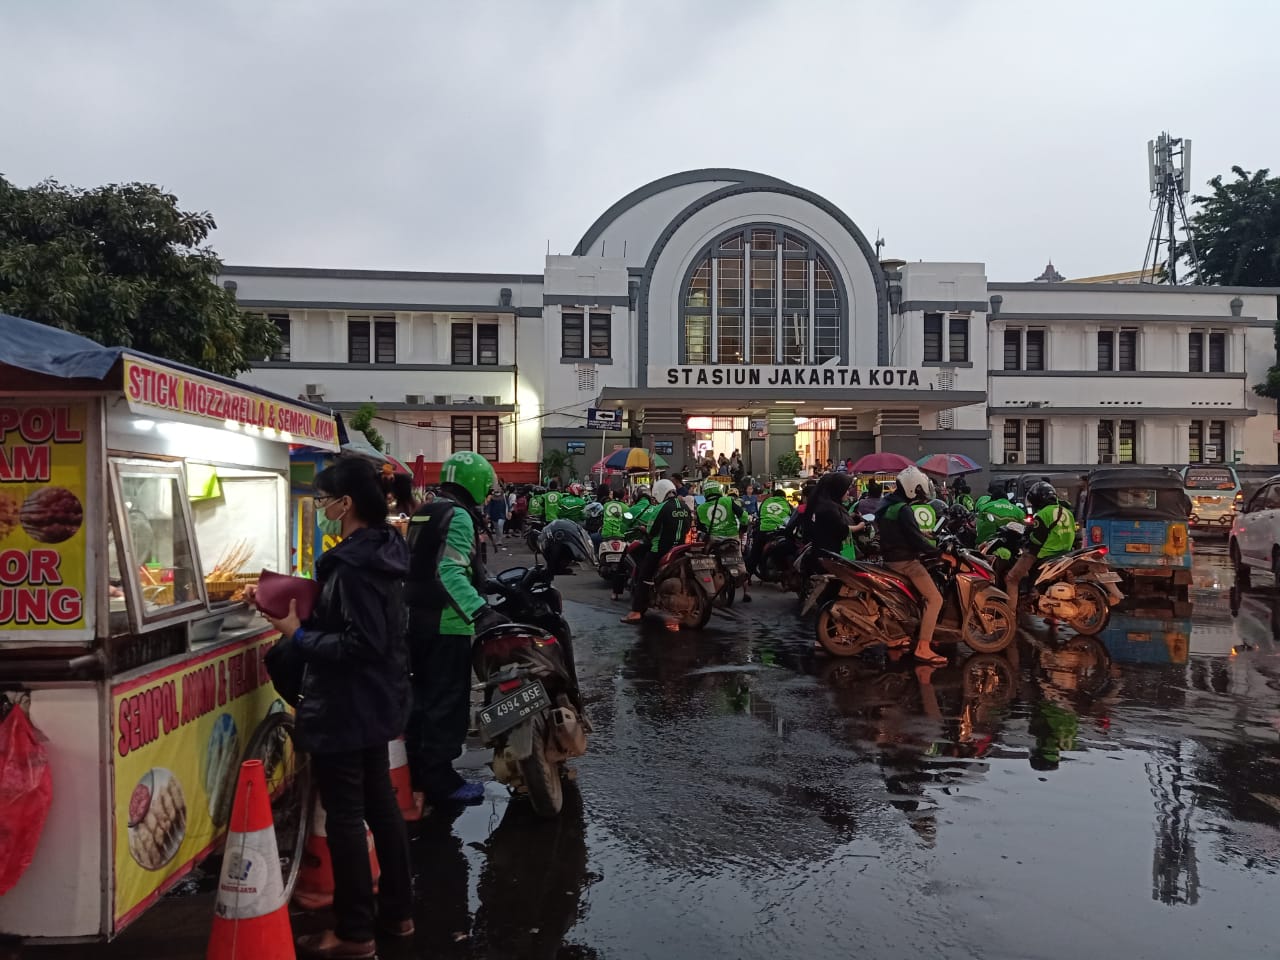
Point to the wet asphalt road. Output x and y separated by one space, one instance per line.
745 798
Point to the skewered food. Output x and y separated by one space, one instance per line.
51 515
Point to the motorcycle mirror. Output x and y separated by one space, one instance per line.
869 518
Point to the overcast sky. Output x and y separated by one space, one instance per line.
469 135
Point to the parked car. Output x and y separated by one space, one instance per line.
1215 494
1255 534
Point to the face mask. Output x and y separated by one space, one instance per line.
330 527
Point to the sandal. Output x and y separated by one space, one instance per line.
932 659
632 617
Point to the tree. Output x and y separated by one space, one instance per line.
556 463
122 265
1237 231
362 420
790 464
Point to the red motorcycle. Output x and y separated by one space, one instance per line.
684 588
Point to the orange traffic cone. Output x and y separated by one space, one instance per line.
250 919
314 889
410 803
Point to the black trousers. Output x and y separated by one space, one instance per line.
645 570
355 788
441 713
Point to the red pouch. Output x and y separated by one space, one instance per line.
275 590
26 791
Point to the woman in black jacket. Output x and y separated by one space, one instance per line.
826 524
354 699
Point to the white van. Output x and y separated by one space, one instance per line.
1215 496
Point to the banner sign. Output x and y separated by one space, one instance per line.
177 735
799 375
600 419
43 534
151 387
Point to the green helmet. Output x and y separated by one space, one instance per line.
471 472
712 488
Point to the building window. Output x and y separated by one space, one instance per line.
487 344
1035 355
958 339
1208 442
281 323
1195 354
357 340
384 341
1127 351
1012 439
461 344
1117 441
571 335
1106 350
1217 352
933 338
762 295
487 438
460 434
601 335
1025 437
1013 349
1034 436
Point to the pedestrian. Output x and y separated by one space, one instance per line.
402 502
354 699
497 511
871 501
446 611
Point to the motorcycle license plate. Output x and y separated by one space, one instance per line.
501 715
703 563
1137 548
611 558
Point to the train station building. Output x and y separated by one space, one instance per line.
723 309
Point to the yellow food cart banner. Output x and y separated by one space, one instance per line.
177 736
152 387
43 553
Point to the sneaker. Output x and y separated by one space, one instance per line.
469 793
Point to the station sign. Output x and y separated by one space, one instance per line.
599 418
791 376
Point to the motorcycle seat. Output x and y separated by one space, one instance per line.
676 552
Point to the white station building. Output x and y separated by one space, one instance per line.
726 309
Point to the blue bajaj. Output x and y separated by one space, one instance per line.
1140 516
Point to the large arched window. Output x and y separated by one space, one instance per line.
762 294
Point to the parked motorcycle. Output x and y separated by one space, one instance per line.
778 554
532 715
1078 588
684 587
862 604
730 572
533 527
610 556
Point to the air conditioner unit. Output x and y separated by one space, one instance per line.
1013 456
492 399
439 398
1106 458
314 390
463 398
415 398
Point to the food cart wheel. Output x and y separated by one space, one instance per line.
288 772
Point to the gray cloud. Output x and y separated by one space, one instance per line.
467 136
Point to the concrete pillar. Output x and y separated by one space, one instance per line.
782 437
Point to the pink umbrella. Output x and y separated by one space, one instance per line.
948 465
881 463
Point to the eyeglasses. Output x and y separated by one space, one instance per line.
325 500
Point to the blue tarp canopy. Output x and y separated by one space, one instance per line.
42 349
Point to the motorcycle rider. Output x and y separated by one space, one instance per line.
615 527
572 503
667 524
961 494
994 510
538 504
902 544
1053 533
826 523
446 610
723 518
551 508
774 512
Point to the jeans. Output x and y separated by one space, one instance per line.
441 712
355 788
915 571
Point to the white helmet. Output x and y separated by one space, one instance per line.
663 489
915 485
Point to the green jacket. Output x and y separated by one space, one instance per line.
640 515
1054 532
722 517
1003 511
538 505
444 568
552 509
571 508
615 523
774 512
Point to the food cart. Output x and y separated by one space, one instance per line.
137 497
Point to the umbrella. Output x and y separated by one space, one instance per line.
398 466
881 463
632 458
948 464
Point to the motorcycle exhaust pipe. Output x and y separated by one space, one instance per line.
857 620
567 731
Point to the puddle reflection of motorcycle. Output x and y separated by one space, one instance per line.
531 884
1070 679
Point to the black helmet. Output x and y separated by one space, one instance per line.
996 490
1041 495
567 539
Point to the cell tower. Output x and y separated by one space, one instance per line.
1169 172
